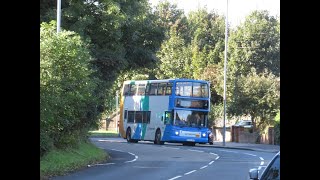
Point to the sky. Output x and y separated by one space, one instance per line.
237 9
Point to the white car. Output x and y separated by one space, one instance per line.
244 123
272 171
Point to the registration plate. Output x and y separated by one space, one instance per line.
192 140
197 135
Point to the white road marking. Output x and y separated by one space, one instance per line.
175 177
108 140
131 153
250 154
211 162
135 158
261 163
148 167
117 150
203 167
131 160
194 150
170 147
101 140
217 157
214 154
190 172
228 151
261 158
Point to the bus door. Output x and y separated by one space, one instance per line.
168 120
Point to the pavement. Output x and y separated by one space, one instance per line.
247 146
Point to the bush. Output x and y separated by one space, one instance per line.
46 143
277 133
67 100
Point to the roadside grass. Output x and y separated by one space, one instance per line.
103 133
60 162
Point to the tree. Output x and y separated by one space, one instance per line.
175 58
207 32
254 50
255 44
123 36
258 97
66 89
170 16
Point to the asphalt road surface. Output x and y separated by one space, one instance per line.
147 161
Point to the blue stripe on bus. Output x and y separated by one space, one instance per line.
170 136
138 132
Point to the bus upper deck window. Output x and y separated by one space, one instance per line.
153 89
126 90
169 89
161 89
133 90
141 89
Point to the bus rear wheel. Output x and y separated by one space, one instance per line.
157 139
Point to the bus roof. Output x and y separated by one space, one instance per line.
165 80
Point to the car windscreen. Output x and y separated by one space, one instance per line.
273 170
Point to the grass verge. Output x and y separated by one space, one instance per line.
60 162
102 133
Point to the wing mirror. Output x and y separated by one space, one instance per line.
253 174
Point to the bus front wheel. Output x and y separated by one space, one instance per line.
157 139
128 134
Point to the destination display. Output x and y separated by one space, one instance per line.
188 103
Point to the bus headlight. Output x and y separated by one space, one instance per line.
203 134
177 133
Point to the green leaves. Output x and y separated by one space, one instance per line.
65 85
256 95
256 44
175 58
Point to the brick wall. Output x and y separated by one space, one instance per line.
218 134
243 135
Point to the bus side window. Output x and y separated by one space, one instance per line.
162 89
133 90
138 117
126 90
125 114
130 116
169 89
153 88
147 89
148 116
141 89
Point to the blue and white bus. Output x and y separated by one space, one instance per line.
168 110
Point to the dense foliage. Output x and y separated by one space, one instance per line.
66 89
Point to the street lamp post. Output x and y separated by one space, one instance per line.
58 15
225 78
117 100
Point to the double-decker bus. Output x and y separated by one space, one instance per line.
168 110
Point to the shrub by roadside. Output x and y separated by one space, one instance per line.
102 133
60 162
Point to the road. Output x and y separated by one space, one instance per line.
145 161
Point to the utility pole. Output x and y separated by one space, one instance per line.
58 15
225 78
117 97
